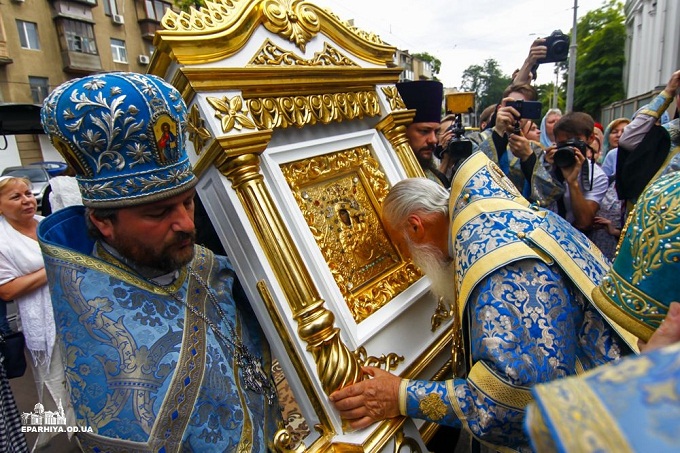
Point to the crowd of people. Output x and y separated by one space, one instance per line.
584 188
149 339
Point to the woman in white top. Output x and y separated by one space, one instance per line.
23 279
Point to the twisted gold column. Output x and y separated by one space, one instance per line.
239 161
393 127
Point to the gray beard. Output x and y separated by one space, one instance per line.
439 270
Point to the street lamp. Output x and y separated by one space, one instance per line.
572 63
555 90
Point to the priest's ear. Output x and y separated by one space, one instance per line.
415 229
101 222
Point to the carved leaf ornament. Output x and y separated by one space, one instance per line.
294 20
231 113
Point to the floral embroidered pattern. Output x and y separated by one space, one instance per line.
123 133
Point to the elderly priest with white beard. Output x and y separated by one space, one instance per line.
520 278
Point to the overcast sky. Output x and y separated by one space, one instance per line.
462 33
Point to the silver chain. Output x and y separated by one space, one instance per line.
253 375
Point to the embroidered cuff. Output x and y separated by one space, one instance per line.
658 105
402 396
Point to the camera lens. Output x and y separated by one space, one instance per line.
564 157
560 48
460 148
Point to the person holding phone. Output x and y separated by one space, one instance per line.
521 160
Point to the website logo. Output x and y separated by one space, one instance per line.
42 421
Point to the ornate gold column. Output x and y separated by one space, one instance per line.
393 127
239 161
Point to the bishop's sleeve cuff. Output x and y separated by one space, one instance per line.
658 105
402 396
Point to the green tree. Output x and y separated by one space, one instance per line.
487 82
184 5
434 62
600 44
546 95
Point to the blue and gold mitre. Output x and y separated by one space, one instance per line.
641 283
123 134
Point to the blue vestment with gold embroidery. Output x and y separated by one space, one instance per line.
630 406
144 372
523 277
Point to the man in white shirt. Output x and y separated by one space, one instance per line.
585 183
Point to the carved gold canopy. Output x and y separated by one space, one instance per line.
223 27
297 111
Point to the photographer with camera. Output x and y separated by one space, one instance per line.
520 159
453 147
585 184
551 49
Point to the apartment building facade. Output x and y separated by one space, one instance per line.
44 43
413 67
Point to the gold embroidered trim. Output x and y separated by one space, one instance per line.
628 323
453 400
541 438
484 379
488 263
403 385
117 272
501 180
181 397
575 408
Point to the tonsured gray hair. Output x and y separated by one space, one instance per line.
414 195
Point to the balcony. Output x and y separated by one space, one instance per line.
148 27
80 63
4 54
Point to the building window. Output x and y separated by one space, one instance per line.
110 7
156 9
118 51
407 75
79 36
39 88
28 35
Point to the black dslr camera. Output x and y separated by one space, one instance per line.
558 48
565 155
459 147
